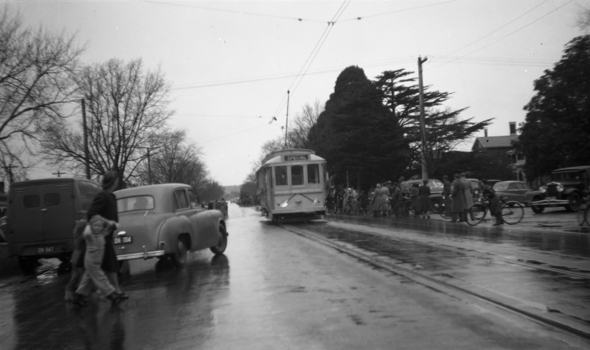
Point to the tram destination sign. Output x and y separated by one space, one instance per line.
296 157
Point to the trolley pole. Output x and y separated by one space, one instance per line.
287 122
422 126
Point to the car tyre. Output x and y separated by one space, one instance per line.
537 209
179 256
222 244
27 265
574 203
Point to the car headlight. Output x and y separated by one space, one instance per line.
543 189
560 188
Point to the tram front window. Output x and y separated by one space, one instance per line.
281 175
296 175
313 174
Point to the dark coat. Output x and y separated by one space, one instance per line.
105 205
458 195
423 199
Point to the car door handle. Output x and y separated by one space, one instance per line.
44 209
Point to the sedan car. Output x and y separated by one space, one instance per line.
514 191
165 221
436 189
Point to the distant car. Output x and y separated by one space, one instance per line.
165 221
436 190
567 188
514 191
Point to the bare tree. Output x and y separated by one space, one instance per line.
35 69
126 108
298 136
177 160
583 20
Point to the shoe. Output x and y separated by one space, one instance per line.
115 298
80 300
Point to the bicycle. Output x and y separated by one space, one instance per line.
404 208
352 207
512 212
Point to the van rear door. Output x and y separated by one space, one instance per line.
57 210
25 213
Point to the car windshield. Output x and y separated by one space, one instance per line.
135 203
501 186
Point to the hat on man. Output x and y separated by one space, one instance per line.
109 178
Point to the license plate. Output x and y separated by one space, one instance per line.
123 240
43 250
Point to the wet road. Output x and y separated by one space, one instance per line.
271 290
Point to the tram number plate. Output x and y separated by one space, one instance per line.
45 250
123 240
296 157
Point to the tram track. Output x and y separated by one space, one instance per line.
464 291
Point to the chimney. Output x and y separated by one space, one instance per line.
485 132
512 128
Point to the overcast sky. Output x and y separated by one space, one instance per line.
231 63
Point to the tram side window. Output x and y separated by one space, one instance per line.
313 174
297 175
281 175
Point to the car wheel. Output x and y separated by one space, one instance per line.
179 256
574 203
537 209
27 265
222 244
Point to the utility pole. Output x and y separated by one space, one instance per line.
86 158
58 173
149 167
422 126
8 169
287 123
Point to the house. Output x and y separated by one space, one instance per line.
501 147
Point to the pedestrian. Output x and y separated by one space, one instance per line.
447 190
404 186
468 190
100 260
77 271
458 195
364 201
414 194
495 205
379 199
424 206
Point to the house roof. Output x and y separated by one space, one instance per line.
493 142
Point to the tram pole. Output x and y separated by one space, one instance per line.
422 126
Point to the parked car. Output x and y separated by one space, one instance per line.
567 188
165 221
514 191
41 215
436 190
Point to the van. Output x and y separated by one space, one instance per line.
41 215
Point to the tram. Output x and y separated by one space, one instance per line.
290 185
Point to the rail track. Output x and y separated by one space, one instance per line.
580 330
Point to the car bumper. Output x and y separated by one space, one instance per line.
145 255
550 203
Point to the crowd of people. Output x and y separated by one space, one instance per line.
458 198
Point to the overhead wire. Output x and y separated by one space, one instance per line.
504 37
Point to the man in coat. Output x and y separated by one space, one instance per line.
459 203
468 195
447 190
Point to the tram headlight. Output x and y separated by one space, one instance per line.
284 204
316 201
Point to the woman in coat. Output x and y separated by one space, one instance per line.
424 207
104 205
380 198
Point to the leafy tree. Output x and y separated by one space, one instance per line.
444 128
355 135
126 108
35 67
211 190
556 130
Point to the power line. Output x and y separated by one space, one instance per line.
394 11
509 34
